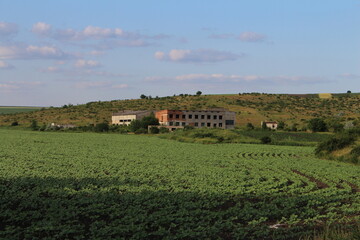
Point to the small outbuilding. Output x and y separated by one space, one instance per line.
270 124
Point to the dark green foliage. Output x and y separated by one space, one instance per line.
334 143
102 127
34 125
154 130
281 125
163 130
188 127
143 96
135 125
317 125
250 126
265 140
16 123
198 93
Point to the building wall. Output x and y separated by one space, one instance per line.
123 119
198 119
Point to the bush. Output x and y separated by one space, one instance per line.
164 130
34 125
154 130
102 127
265 140
317 125
334 143
15 123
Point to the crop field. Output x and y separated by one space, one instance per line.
11 110
110 186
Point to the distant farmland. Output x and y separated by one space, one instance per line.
10 109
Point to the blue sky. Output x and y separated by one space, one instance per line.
58 52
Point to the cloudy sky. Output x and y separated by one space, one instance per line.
59 52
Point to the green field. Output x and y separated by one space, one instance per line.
11 110
109 186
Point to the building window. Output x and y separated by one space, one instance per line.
171 123
202 116
229 122
220 124
196 124
183 124
170 116
208 116
220 117
190 116
214 125
183 116
121 120
196 116
177 124
215 117
177 116
203 124
208 124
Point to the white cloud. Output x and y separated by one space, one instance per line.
7 29
10 86
98 32
81 63
198 55
5 65
251 37
100 84
120 86
231 79
20 51
41 28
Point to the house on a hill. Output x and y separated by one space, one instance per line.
271 125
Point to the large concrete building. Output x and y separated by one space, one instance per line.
173 119
211 118
126 116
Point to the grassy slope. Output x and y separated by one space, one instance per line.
252 108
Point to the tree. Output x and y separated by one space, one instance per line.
34 126
143 96
198 93
348 91
250 126
317 125
102 127
281 125
263 126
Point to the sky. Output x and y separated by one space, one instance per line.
59 52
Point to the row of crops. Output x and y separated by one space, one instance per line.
107 186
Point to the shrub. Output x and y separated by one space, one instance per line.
335 143
250 126
317 125
102 127
154 130
265 140
164 130
14 123
34 125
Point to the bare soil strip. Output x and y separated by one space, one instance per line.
319 184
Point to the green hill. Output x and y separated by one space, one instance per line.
293 109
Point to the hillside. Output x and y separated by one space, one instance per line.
253 108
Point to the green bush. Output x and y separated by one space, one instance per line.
141 131
335 143
154 130
265 140
164 130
